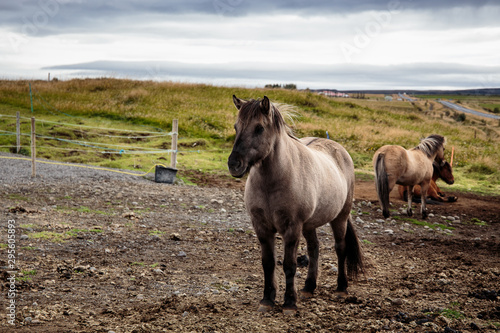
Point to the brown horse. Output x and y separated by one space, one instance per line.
434 194
293 187
396 165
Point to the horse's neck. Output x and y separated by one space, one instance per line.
432 157
278 163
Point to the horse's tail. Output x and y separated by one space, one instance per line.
354 255
382 184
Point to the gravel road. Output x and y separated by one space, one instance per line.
18 171
466 110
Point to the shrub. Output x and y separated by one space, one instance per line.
460 117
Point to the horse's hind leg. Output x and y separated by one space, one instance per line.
313 252
423 208
409 211
339 230
267 240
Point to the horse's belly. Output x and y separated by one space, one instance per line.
412 178
277 210
329 202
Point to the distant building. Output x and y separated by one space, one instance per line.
331 93
388 98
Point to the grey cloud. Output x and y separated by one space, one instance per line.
423 75
49 17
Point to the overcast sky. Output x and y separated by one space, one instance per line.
359 44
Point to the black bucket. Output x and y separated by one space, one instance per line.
165 175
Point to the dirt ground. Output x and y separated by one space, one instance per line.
115 256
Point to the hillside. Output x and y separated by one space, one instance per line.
464 92
206 117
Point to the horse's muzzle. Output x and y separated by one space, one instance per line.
236 168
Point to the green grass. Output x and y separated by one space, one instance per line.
477 221
491 107
18 197
23 278
30 272
56 237
3 246
453 311
51 236
83 209
74 232
206 116
433 226
135 263
27 275
156 232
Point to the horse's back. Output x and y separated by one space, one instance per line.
333 149
393 156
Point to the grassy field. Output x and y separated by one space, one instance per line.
113 115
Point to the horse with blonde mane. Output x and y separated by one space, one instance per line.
293 187
396 165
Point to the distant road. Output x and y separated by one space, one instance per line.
462 109
405 97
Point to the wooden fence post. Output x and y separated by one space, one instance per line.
175 129
18 132
33 148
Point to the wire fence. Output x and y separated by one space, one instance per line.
102 147
64 135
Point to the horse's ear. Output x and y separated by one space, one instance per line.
238 102
265 105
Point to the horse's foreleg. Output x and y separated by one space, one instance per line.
268 264
409 211
313 252
423 195
291 242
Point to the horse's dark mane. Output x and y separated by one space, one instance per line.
431 144
252 109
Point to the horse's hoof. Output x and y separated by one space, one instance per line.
409 212
452 199
424 215
290 311
305 294
340 294
264 308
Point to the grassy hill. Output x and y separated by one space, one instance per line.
78 110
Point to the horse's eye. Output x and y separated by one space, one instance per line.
258 129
